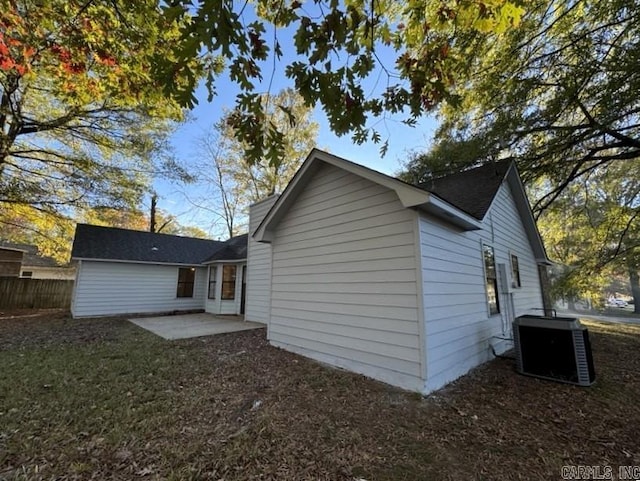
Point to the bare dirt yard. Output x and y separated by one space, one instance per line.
105 400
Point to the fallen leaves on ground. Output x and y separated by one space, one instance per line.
104 399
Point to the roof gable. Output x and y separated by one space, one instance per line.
409 195
462 199
526 215
475 189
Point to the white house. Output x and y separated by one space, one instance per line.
411 285
122 271
259 270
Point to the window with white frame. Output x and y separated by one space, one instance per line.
212 282
491 279
228 283
515 271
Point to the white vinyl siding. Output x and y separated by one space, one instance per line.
108 288
258 266
37 272
457 323
343 284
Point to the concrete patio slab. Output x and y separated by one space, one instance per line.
184 326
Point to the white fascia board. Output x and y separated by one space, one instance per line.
261 201
409 195
120 261
262 233
226 261
526 215
451 214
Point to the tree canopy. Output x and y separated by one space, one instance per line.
89 89
592 229
558 93
337 46
559 96
83 120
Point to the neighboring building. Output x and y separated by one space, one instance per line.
10 261
123 271
411 285
23 260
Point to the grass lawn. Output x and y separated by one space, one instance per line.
104 399
620 312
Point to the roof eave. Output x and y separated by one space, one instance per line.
545 262
14 249
40 266
131 261
451 214
224 261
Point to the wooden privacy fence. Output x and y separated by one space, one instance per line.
17 293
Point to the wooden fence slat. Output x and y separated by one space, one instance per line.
21 293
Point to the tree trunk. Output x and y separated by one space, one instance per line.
634 280
9 125
545 285
152 214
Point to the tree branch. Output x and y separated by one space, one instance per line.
628 141
539 207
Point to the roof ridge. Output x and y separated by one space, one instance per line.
145 232
466 171
93 242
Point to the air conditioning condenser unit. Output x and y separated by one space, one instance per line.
555 348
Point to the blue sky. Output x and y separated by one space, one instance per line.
402 138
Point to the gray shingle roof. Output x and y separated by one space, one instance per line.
233 249
109 243
471 190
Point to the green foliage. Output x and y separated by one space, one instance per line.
336 46
26 224
133 219
83 121
136 219
292 119
557 94
593 230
